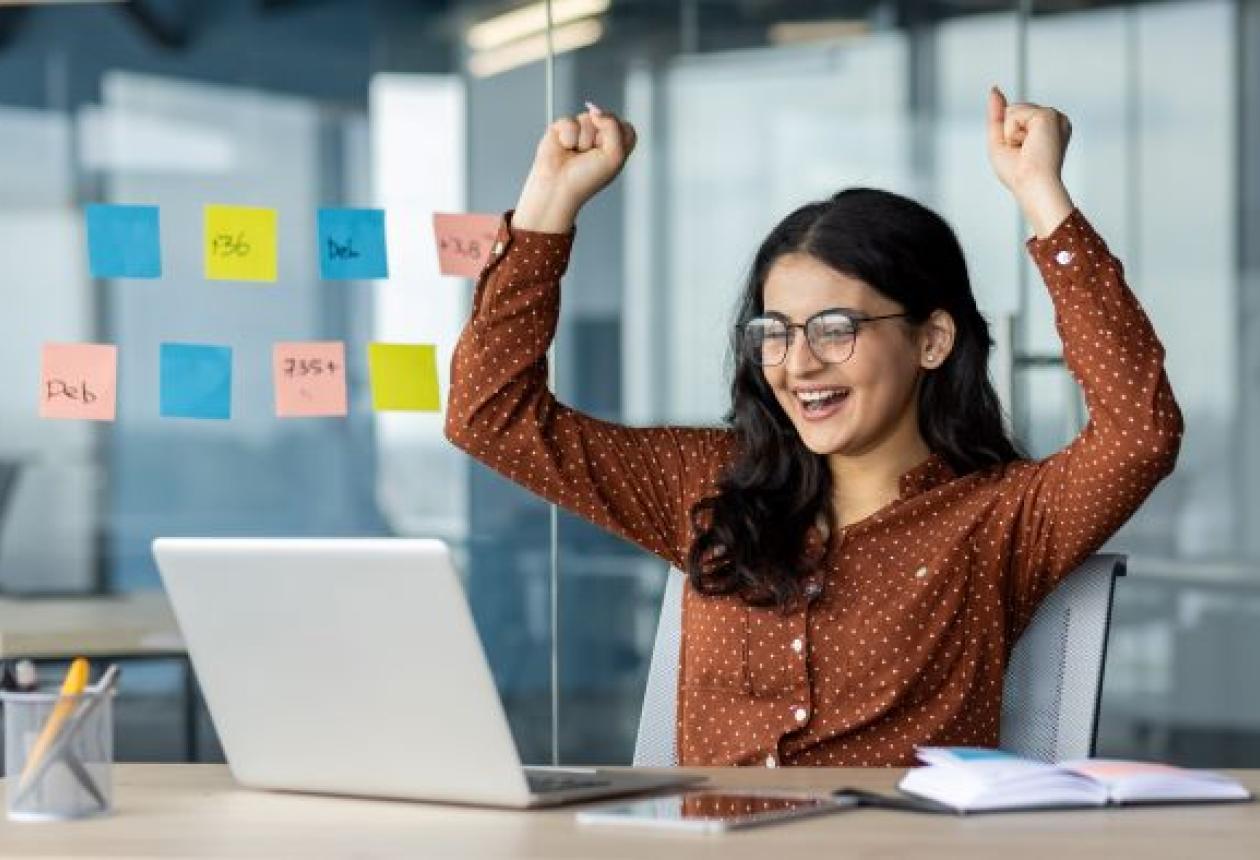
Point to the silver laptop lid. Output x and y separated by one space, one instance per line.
346 666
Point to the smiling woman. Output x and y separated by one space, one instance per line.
864 543
896 369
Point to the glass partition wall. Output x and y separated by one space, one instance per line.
745 110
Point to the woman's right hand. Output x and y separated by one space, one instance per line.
576 158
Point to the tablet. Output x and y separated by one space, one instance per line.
716 811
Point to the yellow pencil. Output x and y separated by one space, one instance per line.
74 684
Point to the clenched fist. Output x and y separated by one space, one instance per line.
1027 143
576 158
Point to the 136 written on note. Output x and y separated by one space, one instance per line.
240 243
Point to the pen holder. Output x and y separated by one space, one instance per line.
64 773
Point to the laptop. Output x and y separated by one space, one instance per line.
352 666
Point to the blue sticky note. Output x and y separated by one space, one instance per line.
124 241
196 381
352 244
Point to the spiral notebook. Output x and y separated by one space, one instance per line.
972 779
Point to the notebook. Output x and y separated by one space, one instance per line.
972 779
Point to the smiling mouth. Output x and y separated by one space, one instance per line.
821 403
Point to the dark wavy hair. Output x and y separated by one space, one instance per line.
750 535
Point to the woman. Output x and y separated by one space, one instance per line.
863 542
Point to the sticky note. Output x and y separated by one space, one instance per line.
352 244
124 241
310 378
464 242
240 243
79 380
196 381
404 377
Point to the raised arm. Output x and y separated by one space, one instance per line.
1074 500
636 482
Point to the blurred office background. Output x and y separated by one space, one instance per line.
746 109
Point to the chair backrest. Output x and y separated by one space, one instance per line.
1052 688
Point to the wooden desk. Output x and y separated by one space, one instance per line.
103 628
197 811
138 624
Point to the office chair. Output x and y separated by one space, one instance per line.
1053 682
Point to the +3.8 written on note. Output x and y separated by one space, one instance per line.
464 242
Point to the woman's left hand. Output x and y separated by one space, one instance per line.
1027 143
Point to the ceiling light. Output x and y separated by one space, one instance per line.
528 21
795 32
570 37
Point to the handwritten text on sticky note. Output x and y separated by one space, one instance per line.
464 242
310 378
404 377
124 241
240 243
352 244
79 381
196 381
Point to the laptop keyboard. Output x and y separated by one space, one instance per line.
545 783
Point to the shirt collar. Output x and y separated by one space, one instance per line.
929 474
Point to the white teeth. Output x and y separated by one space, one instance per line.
814 396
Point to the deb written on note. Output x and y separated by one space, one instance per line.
79 381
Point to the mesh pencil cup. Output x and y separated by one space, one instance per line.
64 774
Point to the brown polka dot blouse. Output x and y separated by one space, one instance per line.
918 605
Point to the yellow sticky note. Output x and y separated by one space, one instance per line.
404 377
240 243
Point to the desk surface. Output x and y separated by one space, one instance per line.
197 811
137 624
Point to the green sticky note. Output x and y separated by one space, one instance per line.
404 377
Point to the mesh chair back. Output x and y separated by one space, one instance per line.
654 746
1053 681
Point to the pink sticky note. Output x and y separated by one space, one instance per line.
310 378
464 242
79 380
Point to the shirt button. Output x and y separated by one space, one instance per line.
813 589
801 715
798 644
1063 258
770 762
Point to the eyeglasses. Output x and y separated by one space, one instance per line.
831 335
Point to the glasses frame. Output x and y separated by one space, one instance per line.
858 319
